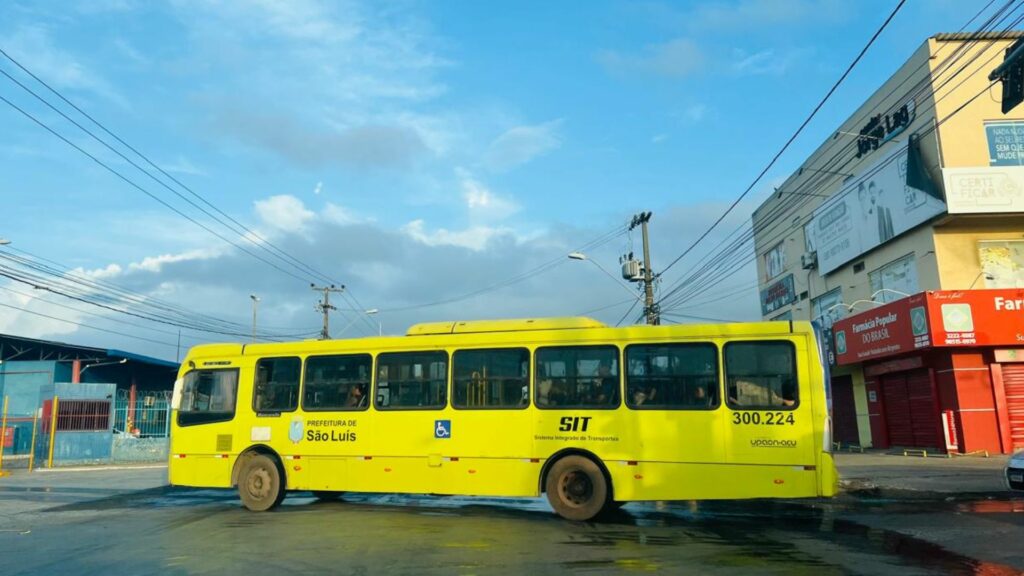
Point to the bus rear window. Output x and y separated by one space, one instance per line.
672 376
490 378
761 375
208 396
412 380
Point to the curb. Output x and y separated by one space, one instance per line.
101 468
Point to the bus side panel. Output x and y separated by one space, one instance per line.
783 436
673 481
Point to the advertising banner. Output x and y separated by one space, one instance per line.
1005 143
984 190
869 211
894 328
777 295
977 317
938 318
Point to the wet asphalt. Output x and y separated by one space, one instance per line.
109 524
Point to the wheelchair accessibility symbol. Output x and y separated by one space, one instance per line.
442 428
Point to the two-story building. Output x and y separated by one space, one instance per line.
903 234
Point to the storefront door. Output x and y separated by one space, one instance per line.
844 411
910 411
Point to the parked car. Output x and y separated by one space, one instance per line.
1015 471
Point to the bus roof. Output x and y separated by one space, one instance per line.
513 325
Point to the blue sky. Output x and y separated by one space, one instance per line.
417 150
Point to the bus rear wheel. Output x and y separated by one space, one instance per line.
576 488
260 484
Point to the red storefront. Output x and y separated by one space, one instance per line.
941 369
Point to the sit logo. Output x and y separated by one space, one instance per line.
574 423
442 428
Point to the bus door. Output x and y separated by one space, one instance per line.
769 407
487 437
205 428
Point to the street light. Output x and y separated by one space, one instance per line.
582 256
373 312
255 301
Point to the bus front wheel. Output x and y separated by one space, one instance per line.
260 484
576 488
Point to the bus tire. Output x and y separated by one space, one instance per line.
576 488
259 484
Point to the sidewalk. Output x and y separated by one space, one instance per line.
880 471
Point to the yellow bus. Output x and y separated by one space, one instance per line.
589 415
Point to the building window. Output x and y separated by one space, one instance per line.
809 244
83 415
577 377
774 261
208 396
491 378
829 307
277 385
337 382
761 375
895 280
1002 263
672 376
412 380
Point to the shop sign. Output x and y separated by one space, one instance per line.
984 190
1005 143
779 294
976 317
882 128
890 329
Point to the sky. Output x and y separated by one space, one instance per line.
424 154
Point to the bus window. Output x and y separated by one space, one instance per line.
208 396
577 377
412 380
337 382
277 385
672 376
761 375
490 378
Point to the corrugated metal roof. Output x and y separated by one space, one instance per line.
954 36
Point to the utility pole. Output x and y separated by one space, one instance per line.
324 306
650 308
255 302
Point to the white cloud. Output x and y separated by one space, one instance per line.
318 188
740 14
676 58
33 47
157 263
339 215
284 212
659 138
183 166
474 238
768 62
482 203
520 144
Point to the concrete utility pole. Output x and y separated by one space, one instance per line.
650 308
255 302
324 306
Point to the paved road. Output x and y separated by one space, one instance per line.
123 522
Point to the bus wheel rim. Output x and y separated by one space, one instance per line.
576 488
258 484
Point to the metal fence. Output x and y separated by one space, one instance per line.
149 416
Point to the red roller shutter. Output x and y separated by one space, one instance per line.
923 418
844 411
897 410
1013 384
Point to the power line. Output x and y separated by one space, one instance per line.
774 218
83 325
792 138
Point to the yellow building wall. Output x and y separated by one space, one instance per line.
956 247
962 136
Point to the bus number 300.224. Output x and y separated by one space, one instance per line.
768 419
